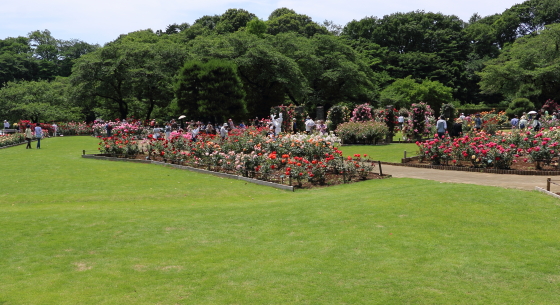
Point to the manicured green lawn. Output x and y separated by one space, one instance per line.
389 153
80 231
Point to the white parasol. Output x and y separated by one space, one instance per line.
182 117
532 112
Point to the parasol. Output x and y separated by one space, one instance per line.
532 112
182 117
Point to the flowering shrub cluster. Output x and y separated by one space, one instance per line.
131 128
337 115
121 143
250 153
11 139
74 129
420 123
387 116
362 113
289 113
499 150
367 132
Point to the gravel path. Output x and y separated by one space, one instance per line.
505 181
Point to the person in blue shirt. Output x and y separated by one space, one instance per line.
514 122
38 135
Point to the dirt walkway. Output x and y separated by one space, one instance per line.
505 181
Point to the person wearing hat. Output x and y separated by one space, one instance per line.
224 131
6 124
523 121
457 130
462 116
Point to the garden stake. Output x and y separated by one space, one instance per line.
548 184
380 170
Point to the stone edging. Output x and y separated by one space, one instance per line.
540 189
197 170
480 170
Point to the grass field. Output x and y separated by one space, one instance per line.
81 231
388 153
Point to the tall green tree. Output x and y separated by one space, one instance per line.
422 44
269 78
404 92
131 75
210 90
38 101
529 68
285 21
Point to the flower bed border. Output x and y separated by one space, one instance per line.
192 169
404 162
540 189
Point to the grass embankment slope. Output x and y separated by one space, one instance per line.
80 231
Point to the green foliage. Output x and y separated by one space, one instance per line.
234 19
424 45
518 106
132 75
38 101
256 27
404 92
337 115
365 132
292 22
210 90
529 68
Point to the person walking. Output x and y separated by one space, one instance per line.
38 135
28 136
54 128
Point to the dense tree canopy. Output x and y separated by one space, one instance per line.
397 59
210 90
530 68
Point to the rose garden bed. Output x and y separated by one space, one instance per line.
517 152
298 160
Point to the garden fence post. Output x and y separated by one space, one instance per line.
405 154
548 184
83 152
380 170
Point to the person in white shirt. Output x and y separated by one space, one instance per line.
309 124
224 131
194 132
54 128
277 123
